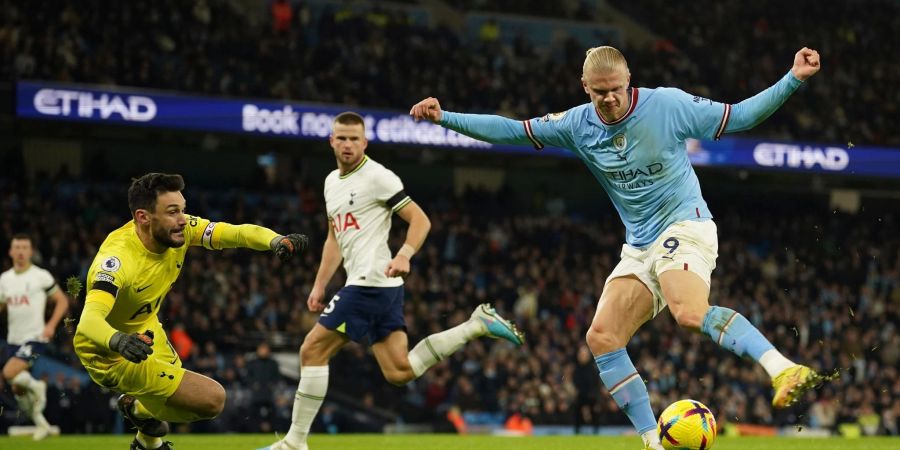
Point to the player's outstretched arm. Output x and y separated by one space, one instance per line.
285 247
419 226
219 235
93 326
752 111
484 127
331 259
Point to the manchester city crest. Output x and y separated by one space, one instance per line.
620 142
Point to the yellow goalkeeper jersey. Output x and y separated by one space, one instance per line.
138 279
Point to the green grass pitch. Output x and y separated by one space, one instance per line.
438 442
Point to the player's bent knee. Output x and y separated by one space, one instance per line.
10 371
601 342
689 318
312 355
207 402
213 403
399 377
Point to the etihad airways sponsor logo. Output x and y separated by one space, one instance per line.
796 156
91 105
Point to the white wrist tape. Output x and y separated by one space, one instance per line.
407 250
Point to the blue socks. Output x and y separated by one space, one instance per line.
725 326
627 388
734 332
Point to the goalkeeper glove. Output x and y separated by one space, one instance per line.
133 347
287 246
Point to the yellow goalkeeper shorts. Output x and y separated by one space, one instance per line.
151 381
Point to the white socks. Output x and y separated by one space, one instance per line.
440 345
310 394
314 379
38 418
25 380
775 363
651 439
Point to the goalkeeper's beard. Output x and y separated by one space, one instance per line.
164 237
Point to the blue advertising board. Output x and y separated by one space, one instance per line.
162 109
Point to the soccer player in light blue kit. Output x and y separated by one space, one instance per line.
633 141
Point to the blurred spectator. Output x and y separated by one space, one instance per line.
264 379
587 386
519 424
823 413
181 340
262 371
489 31
890 418
282 16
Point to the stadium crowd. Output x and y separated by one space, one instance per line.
823 285
339 54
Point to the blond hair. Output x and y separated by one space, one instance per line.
604 59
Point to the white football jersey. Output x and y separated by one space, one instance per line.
360 205
25 295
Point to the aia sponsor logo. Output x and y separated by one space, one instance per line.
344 222
21 300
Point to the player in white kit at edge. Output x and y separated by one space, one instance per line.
24 290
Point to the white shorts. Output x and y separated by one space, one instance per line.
688 245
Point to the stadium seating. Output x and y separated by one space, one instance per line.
337 54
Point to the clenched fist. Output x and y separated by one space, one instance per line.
428 109
806 63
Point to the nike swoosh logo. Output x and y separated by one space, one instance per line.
145 287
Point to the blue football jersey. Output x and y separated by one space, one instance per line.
641 159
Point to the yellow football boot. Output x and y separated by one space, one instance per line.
792 383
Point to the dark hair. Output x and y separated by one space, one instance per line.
350 118
144 190
22 237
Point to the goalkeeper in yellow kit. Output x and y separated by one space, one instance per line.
119 338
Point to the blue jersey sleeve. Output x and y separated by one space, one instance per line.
552 129
695 116
555 130
487 128
750 112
